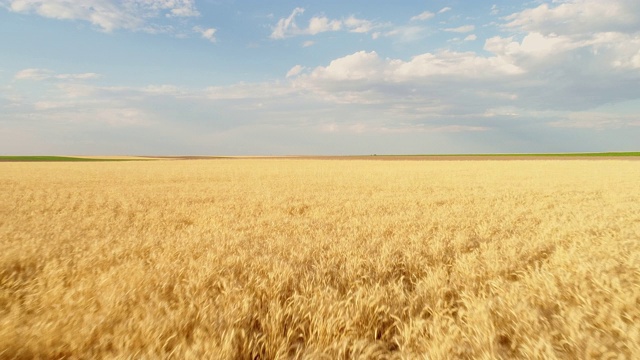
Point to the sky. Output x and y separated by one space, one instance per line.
225 77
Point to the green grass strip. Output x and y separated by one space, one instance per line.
54 159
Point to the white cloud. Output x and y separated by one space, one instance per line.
308 43
32 74
579 16
44 74
471 37
108 15
444 10
457 64
407 33
602 51
356 25
423 16
295 71
287 27
209 34
461 29
570 69
366 78
538 70
358 66
322 24
184 8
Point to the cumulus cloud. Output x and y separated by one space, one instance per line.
424 88
578 16
320 24
108 15
287 27
358 66
209 34
567 70
370 67
602 52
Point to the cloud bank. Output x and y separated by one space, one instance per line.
107 15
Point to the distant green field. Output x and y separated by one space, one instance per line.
53 158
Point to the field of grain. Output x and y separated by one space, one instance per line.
320 259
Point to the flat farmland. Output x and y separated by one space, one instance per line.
320 259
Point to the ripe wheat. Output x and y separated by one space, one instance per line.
276 259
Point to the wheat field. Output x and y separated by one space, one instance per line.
319 259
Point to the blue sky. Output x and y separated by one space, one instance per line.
224 77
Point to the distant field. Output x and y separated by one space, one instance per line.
577 156
301 258
57 159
